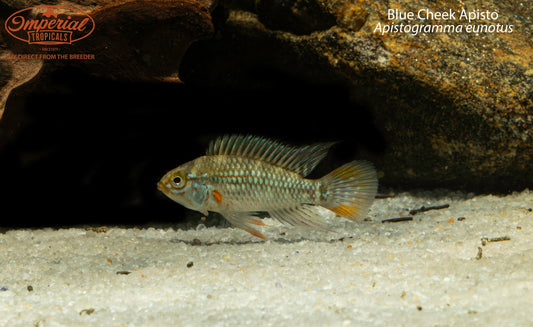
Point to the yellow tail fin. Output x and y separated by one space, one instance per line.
350 189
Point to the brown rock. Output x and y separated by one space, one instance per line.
132 40
455 107
14 73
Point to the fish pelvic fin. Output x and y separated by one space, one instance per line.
350 189
245 221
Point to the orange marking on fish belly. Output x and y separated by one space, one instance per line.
217 196
345 210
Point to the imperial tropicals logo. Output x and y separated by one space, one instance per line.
49 25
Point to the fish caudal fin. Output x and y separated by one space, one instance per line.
350 189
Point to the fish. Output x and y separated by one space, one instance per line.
242 177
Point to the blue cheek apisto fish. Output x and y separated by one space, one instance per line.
242 175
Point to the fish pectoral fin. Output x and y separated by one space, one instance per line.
305 215
204 212
245 221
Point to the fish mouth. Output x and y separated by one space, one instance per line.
161 186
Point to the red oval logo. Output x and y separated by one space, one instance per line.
49 25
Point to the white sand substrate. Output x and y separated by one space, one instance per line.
470 264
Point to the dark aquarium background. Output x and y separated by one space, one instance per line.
83 150
85 141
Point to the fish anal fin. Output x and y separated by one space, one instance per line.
304 215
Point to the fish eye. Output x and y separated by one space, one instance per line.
178 180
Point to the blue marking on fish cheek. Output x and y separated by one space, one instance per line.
199 192
198 197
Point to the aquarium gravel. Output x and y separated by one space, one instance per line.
453 259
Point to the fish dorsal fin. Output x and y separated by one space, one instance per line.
301 160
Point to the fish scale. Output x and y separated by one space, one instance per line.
253 184
241 175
